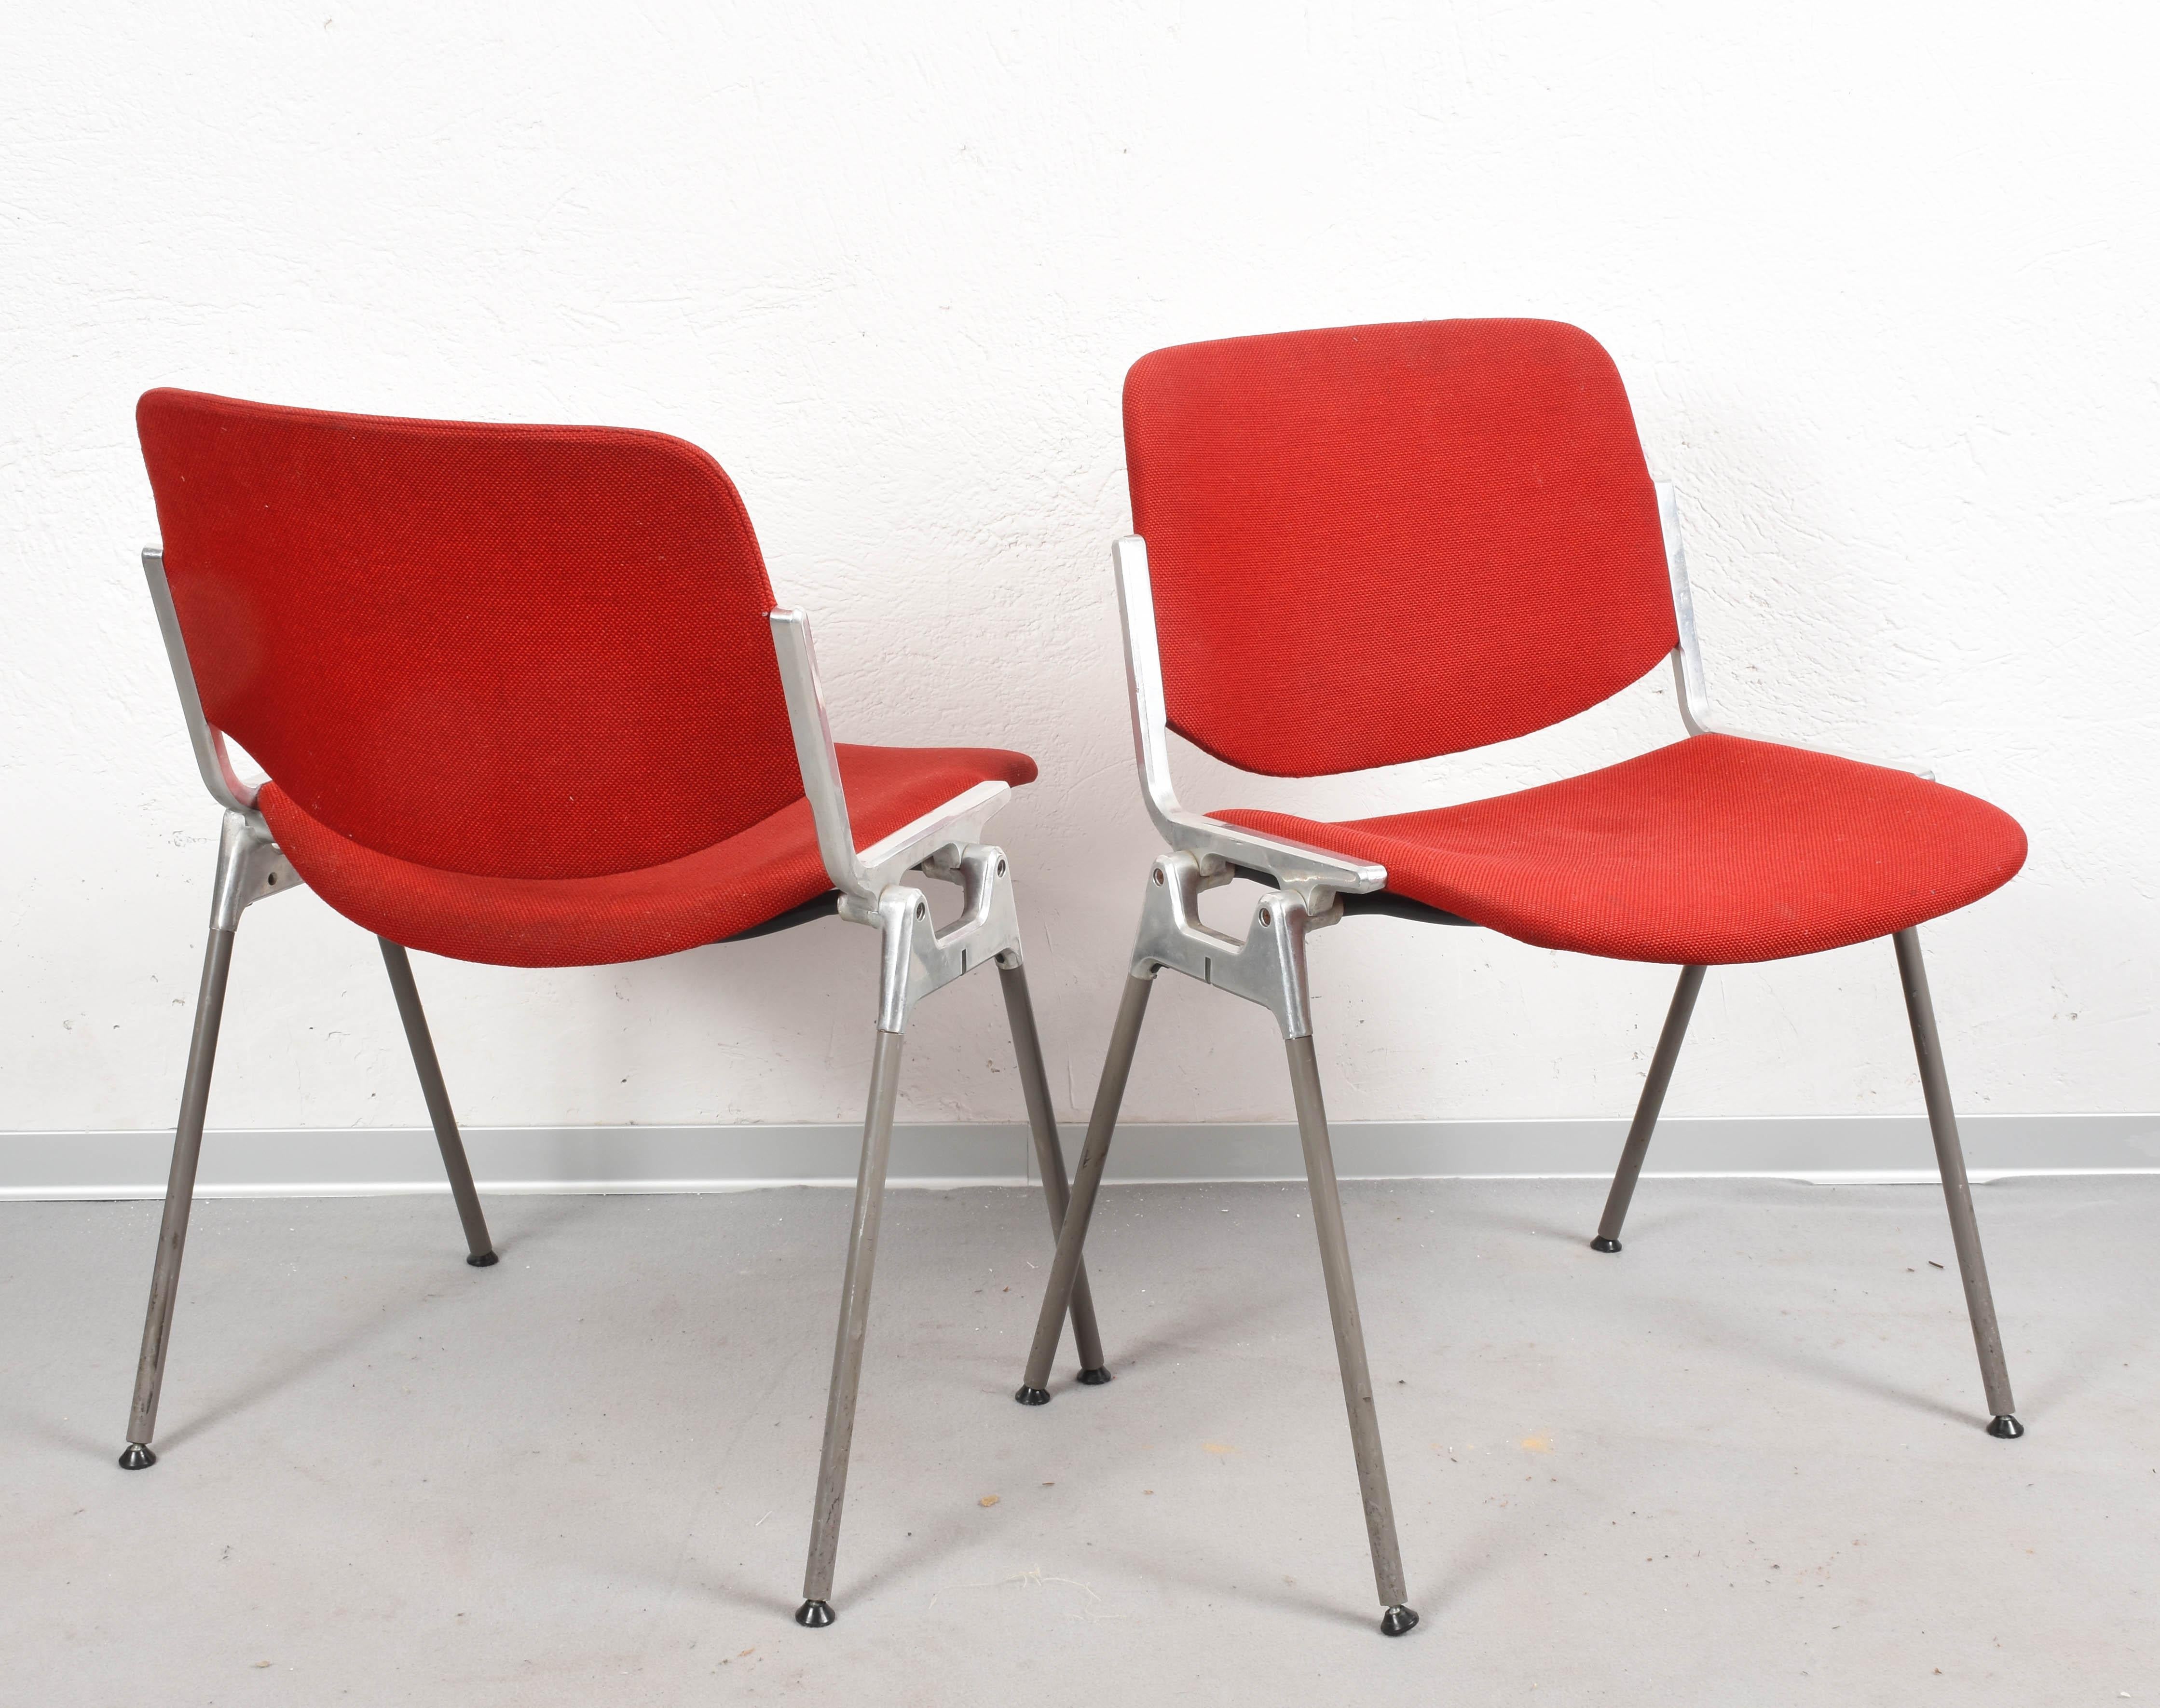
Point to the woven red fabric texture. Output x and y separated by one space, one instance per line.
1379 543
512 651
761 871
1714 851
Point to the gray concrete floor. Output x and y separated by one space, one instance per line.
1742 1463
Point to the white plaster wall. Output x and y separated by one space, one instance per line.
1880 279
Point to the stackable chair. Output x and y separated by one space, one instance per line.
523 698
1369 546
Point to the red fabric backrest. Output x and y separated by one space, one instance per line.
1381 543
520 651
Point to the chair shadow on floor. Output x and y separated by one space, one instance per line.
1752 1335
1197 1332
401 1284
283 1372
892 1571
1736 1331
1437 1586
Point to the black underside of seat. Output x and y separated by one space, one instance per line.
1381 901
816 908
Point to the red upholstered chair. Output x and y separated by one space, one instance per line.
523 698
1362 547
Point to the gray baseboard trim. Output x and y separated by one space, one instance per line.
322 1162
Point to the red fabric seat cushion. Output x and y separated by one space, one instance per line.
699 898
1714 851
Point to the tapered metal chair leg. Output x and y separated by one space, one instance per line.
1957 1190
1647 1107
179 1200
1050 1160
1349 1337
816 1608
480 1248
1087 1181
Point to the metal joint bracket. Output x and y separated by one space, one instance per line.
919 958
250 866
1268 968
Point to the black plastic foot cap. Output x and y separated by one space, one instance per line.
2005 1427
1601 1244
1097 1377
486 1259
815 1615
137 1458
1396 1622
1032 1396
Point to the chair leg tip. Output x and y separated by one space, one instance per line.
483 1259
1032 1396
2004 1428
137 1458
814 1615
1097 1377
1397 1621
1601 1244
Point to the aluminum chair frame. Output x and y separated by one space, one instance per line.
1308 889
871 887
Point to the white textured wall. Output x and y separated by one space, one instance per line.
1880 279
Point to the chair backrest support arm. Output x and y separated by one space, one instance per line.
940 834
226 785
1313 872
1690 682
813 753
